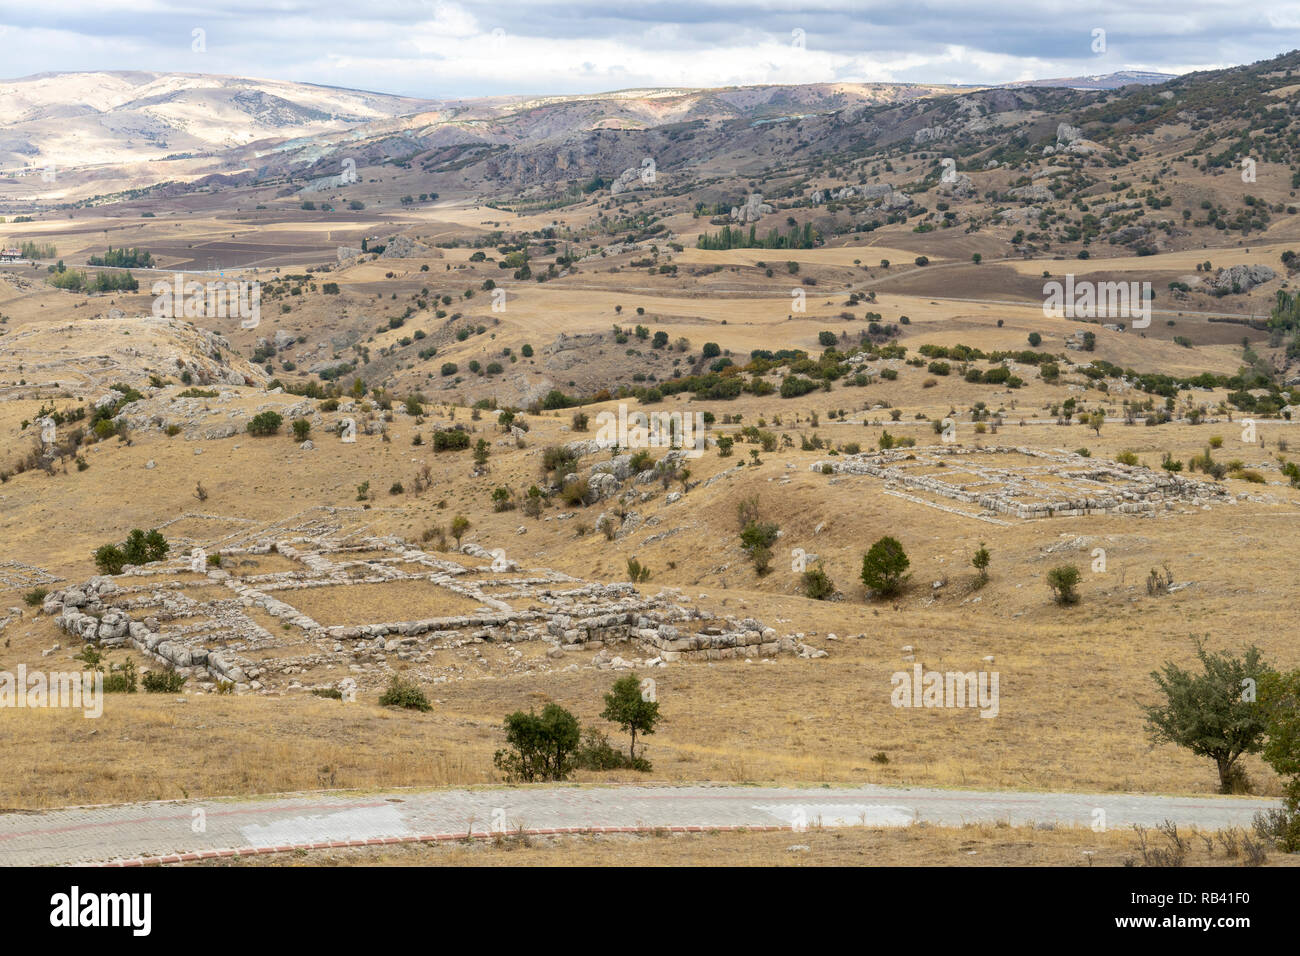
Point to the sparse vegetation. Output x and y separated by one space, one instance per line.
404 693
1063 581
884 568
1215 713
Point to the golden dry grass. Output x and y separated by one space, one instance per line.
1074 680
849 846
372 603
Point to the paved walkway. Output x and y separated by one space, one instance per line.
178 830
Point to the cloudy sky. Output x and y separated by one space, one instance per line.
437 49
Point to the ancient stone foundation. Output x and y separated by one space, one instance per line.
1026 482
219 640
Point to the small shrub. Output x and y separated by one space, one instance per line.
459 525
541 747
884 567
121 678
1063 581
817 583
265 423
574 492
757 539
1159 582
596 753
404 693
637 573
163 682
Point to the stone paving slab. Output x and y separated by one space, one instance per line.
148 831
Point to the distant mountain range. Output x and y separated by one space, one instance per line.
93 119
1106 81
81 119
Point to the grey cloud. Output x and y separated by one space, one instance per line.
369 45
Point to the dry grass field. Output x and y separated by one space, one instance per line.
981 846
1074 679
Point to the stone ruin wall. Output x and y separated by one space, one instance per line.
1129 489
565 612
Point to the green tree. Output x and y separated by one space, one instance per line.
980 561
1279 696
459 525
757 538
265 423
135 550
541 747
1063 581
301 429
628 707
155 546
1213 714
141 548
109 559
884 567
1096 420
